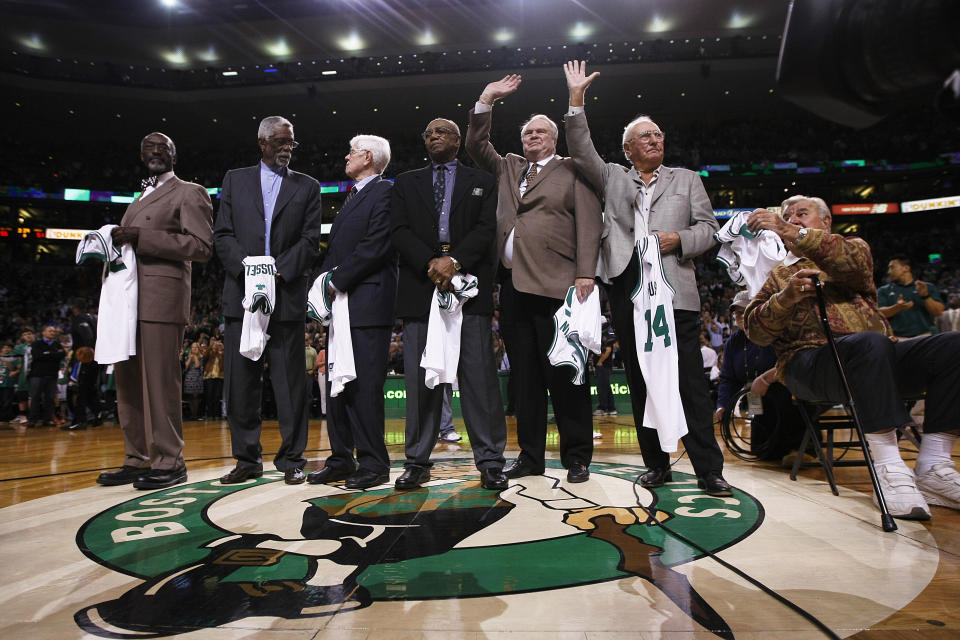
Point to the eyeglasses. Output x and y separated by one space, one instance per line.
283 142
440 131
646 135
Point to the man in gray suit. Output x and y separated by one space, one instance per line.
548 236
169 227
671 203
268 210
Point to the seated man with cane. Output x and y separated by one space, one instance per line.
880 369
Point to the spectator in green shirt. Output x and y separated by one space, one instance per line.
910 305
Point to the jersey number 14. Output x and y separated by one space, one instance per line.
658 327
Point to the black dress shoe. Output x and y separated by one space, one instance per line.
578 473
161 478
294 476
364 479
124 475
241 474
714 485
655 478
520 468
328 475
492 478
412 477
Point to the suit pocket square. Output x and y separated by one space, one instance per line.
477 191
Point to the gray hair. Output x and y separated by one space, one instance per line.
455 127
268 124
378 147
173 147
540 116
821 206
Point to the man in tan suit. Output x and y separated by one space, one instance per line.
548 239
170 225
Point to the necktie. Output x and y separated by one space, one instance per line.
532 175
353 192
148 182
439 188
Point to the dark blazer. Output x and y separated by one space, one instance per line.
294 237
557 222
174 224
359 247
473 225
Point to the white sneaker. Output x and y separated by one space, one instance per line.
599 412
450 436
20 419
597 435
941 485
612 413
900 491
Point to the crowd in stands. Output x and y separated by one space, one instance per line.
742 143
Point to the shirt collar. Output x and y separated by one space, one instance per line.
360 185
163 177
449 165
791 259
270 171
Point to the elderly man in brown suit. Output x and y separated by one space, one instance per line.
170 225
548 239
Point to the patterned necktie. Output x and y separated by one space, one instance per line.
440 188
532 175
148 182
350 195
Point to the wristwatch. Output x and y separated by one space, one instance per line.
456 265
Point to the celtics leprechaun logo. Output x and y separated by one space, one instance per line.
211 554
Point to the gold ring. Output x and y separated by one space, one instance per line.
803 288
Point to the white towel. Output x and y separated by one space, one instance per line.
749 257
117 313
441 354
576 330
341 367
259 296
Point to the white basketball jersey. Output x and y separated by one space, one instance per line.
655 334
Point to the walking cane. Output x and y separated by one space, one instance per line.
886 520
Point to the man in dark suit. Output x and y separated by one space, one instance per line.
366 271
548 238
444 218
671 203
169 226
268 210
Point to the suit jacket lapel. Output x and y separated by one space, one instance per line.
541 174
425 189
663 183
288 187
350 206
460 187
136 209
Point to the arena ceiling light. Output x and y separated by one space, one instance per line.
659 24
169 4
177 56
426 38
581 30
208 55
278 48
739 20
351 42
503 35
33 42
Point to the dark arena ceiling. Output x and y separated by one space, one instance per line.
376 65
